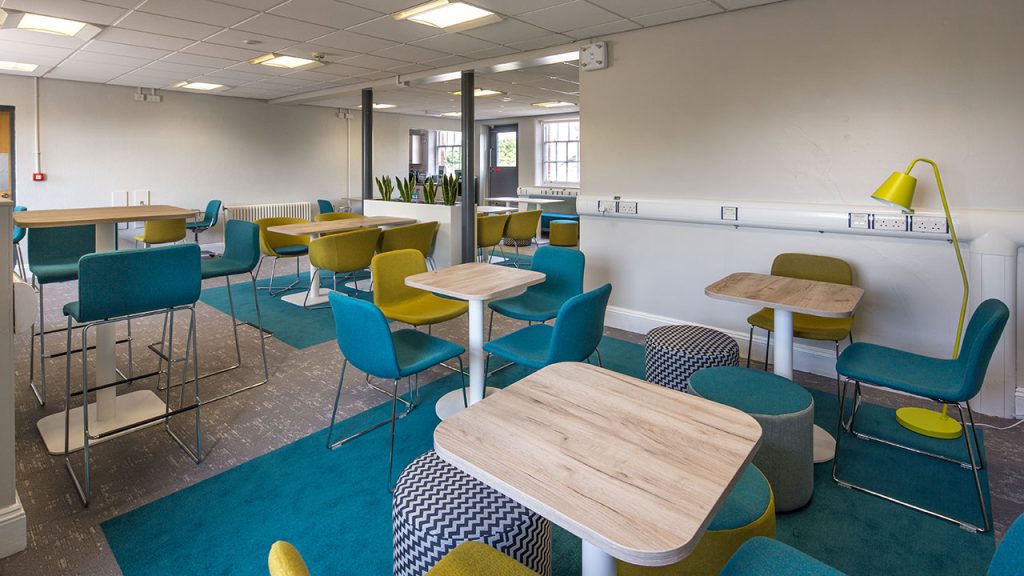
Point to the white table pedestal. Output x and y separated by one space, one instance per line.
315 295
451 403
596 562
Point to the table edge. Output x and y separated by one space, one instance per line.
489 296
774 305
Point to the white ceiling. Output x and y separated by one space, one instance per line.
157 43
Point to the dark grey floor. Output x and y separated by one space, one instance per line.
65 538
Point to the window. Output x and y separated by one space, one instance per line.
448 151
506 154
560 163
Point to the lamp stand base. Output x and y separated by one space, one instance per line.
929 423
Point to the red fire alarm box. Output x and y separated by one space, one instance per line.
38 177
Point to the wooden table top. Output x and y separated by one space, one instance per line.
524 199
104 215
636 469
804 296
346 225
494 209
476 281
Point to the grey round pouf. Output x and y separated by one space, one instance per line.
674 353
785 412
437 507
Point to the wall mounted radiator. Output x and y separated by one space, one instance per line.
253 212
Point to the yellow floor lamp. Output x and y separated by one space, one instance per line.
898 191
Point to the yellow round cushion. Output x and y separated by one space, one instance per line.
285 560
564 232
476 559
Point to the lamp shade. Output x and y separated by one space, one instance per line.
897 190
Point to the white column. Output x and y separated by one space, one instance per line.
12 515
993 274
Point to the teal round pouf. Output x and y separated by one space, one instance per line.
785 412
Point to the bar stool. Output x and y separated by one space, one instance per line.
131 284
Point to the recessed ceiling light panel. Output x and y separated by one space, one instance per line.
378 106
47 24
451 114
201 86
553 104
478 92
17 66
447 15
279 61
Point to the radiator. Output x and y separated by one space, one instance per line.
253 212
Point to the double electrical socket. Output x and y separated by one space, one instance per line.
616 207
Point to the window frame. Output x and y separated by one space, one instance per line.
543 156
438 148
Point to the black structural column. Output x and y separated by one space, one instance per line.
368 143
468 168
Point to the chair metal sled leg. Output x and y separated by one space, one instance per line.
334 444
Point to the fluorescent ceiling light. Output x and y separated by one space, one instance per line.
282 61
553 104
478 92
377 106
17 66
204 86
48 24
451 114
451 16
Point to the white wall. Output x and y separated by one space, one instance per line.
802 101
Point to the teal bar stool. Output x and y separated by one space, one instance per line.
578 329
131 284
367 342
18 234
53 255
326 207
210 218
953 382
563 270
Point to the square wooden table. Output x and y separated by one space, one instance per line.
636 470
476 283
316 295
785 296
110 411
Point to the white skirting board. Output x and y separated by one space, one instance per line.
13 529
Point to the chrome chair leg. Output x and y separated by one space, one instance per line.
40 391
750 344
600 362
391 450
334 444
767 349
21 261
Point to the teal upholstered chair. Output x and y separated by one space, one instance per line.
53 255
563 270
953 382
326 207
1009 558
241 255
113 287
578 329
210 217
18 234
367 342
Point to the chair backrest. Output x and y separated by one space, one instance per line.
285 560
979 342
813 267
123 282
418 236
563 272
336 216
326 207
242 242
346 252
490 229
1009 556
212 213
163 231
60 245
579 326
364 336
18 233
269 241
389 270
523 225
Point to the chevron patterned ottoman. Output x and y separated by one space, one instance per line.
674 353
437 507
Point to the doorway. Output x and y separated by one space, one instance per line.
503 161
7 185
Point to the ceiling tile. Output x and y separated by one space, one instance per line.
602 29
630 8
354 42
144 39
279 27
40 38
565 17
388 28
518 6
738 4
235 76
677 14
237 38
408 69
124 50
543 42
386 6
326 12
261 71
199 11
220 51
314 75
198 60
107 59
71 9
410 53
182 69
343 70
137 81
447 61
454 44
490 53
33 54
251 4
307 51
372 62
87 72
507 31
118 3
157 24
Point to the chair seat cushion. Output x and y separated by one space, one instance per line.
529 306
805 325
747 502
935 378
221 266
752 391
72 309
475 558
292 250
529 346
416 351
767 557
201 225
425 309
50 273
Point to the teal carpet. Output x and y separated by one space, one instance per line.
334 506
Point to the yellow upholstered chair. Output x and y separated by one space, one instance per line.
285 560
162 232
522 227
489 230
420 236
344 253
275 245
405 303
475 559
806 267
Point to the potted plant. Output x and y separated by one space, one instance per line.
449 189
386 187
447 248
430 190
406 188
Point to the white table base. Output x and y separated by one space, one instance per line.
477 372
451 403
129 408
824 443
315 295
597 562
